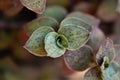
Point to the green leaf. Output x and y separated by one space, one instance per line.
52 47
94 73
61 41
80 59
35 43
56 12
37 6
86 18
40 22
75 22
107 49
76 36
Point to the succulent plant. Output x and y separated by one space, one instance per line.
111 72
37 6
108 69
71 35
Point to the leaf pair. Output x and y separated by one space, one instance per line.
44 41
54 43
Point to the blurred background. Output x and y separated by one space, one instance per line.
18 64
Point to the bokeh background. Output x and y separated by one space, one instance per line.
18 64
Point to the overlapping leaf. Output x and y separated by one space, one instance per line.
53 46
76 36
56 12
96 39
37 6
35 43
88 19
80 59
107 50
75 22
40 22
94 73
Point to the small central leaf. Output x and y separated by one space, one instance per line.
107 49
61 41
52 49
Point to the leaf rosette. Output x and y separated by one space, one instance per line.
49 39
